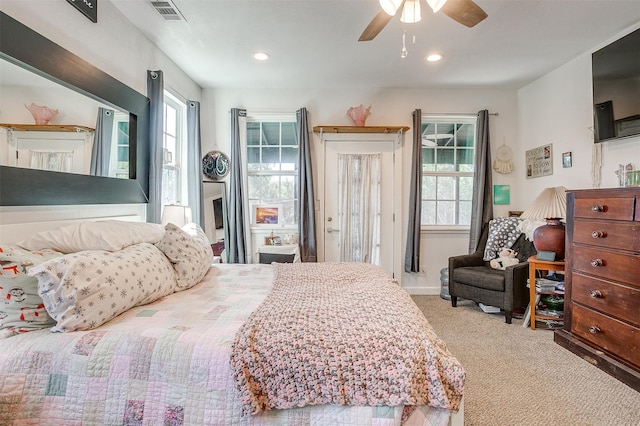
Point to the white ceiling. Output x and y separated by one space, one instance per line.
313 43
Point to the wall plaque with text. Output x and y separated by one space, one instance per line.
539 161
89 8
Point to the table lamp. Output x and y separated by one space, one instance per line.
176 214
548 239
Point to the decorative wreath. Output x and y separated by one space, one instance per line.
215 165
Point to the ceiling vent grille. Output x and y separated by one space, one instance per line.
168 10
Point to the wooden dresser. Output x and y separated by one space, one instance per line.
602 281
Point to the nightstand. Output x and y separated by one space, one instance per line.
536 264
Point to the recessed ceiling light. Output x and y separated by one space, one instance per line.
261 56
435 57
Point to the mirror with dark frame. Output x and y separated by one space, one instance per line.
26 48
214 199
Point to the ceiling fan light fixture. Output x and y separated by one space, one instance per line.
436 5
434 57
390 7
411 12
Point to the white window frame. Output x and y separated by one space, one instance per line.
176 158
114 167
266 118
448 119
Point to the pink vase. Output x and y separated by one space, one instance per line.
359 114
41 114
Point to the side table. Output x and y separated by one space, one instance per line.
284 251
536 264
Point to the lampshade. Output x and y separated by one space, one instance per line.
176 214
552 202
411 12
548 239
390 6
436 4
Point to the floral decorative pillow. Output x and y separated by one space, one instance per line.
503 232
189 250
21 308
83 290
110 235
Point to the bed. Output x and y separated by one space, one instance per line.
183 358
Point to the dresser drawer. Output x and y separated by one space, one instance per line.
605 208
614 336
619 235
607 264
610 298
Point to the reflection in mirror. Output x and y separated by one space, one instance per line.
84 137
214 197
21 45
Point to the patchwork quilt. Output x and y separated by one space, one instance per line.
165 363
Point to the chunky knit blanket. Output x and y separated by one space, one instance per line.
341 333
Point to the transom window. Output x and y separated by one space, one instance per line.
448 149
272 165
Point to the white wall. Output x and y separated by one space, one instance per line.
557 109
112 44
388 108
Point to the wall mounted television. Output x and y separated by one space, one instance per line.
616 89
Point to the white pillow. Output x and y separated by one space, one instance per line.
110 235
83 290
189 250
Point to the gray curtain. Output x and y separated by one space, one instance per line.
412 254
194 162
482 204
306 210
155 92
101 150
237 247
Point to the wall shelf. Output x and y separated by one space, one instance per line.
360 129
46 127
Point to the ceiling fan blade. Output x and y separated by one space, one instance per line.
465 12
375 26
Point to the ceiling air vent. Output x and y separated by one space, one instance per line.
167 10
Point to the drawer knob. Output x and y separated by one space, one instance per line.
594 329
596 294
598 234
597 208
596 262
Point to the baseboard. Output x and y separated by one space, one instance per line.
422 291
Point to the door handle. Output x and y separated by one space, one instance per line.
330 230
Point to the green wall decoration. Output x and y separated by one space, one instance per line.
501 194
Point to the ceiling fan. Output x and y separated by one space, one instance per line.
465 12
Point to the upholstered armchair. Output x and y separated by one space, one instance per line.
471 277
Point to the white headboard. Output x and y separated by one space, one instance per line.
18 223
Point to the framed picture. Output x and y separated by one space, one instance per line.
566 159
501 194
539 161
266 215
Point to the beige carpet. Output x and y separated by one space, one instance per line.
518 376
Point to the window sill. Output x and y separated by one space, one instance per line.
444 230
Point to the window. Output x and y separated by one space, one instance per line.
173 135
121 127
272 165
447 170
